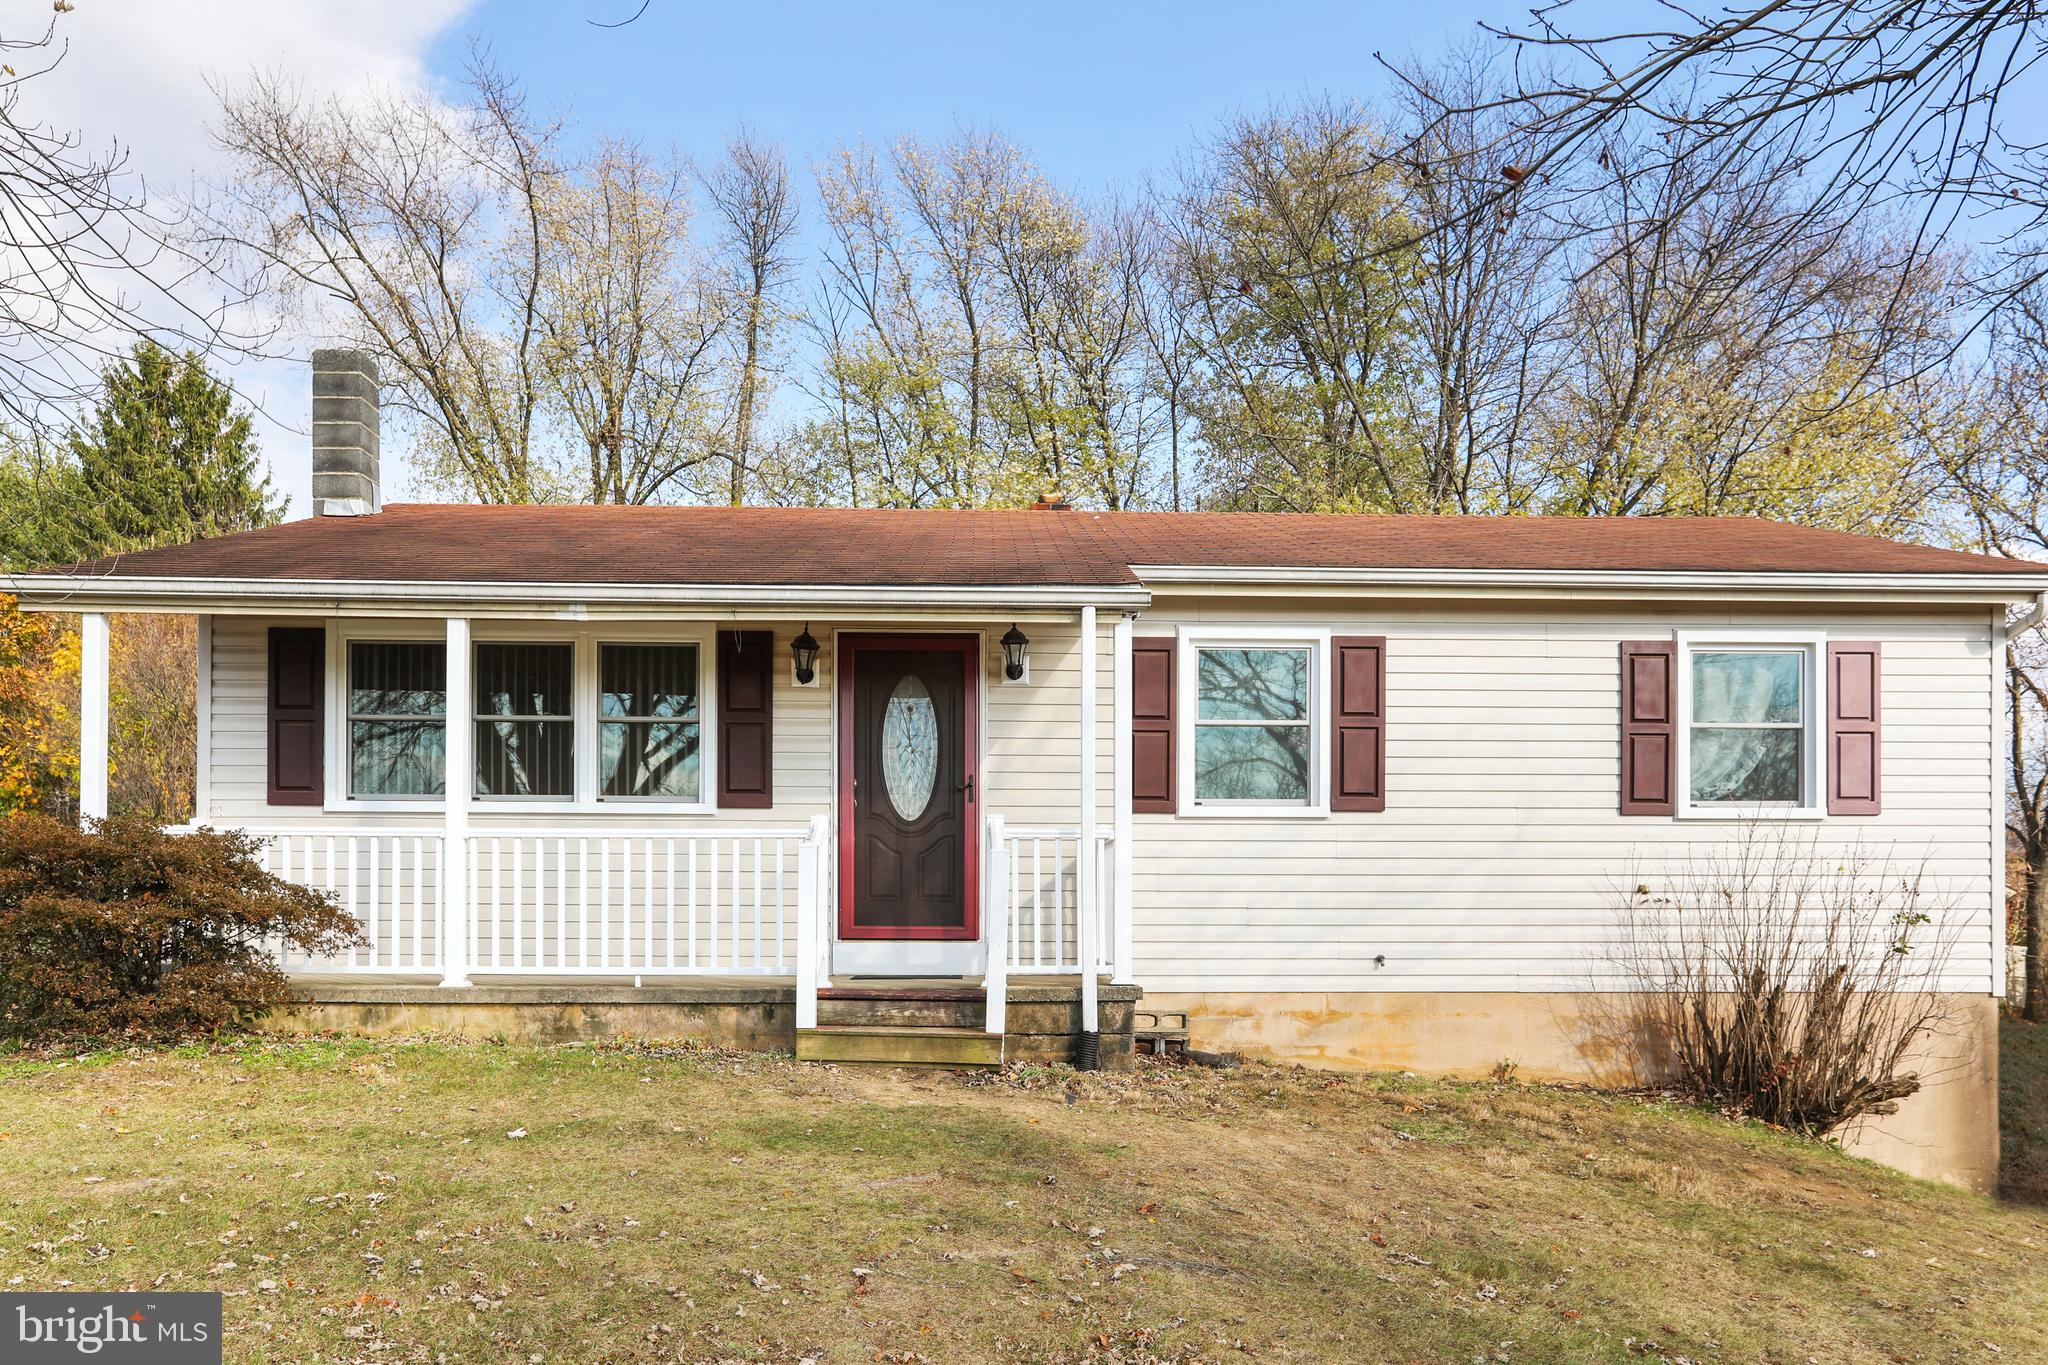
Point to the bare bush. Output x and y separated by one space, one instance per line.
1787 982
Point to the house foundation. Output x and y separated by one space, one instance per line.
1948 1132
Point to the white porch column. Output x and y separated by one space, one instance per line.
1120 850
202 765
1085 933
458 781
94 662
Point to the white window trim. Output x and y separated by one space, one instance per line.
1813 746
1317 642
583 708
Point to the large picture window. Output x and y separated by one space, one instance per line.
648 722
397 718
525 720
1749 731
1253 742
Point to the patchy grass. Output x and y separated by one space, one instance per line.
2023 1111
370 1201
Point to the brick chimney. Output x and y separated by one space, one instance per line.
1052 502
345 434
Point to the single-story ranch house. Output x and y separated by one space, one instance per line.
953 785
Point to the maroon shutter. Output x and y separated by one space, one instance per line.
746 714
1855 716
1358 743
296 729
1649 709
1152 743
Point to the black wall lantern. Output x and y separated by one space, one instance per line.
1015 643
805 648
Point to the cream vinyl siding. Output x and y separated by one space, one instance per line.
1030 750
1497 861
1501 852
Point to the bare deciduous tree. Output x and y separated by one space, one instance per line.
751 192
1884 103
633 323
424 225
92 263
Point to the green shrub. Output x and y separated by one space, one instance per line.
126 930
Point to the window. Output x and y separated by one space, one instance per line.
397 718
649 725
525 723
1252 740
1749 725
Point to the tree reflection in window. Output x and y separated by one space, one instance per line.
1252 731
525 731
648 741
397 717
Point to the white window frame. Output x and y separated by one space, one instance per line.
578 738
705 776
345 731
584 710
1193 640
1813 746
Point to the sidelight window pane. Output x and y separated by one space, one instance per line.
397 703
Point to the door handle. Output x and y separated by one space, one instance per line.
968 787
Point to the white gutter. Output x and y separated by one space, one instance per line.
1983 587
2029 618
62 591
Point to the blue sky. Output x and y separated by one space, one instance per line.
1102 93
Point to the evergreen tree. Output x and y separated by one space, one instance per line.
164 457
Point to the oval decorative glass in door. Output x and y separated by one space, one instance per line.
910 747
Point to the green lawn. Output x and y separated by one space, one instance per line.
371 1202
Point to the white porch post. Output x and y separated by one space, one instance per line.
457 782
810 914
1120 847
202 766
995 918
94 661
1086 937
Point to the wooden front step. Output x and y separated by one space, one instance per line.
863 1007
897 1045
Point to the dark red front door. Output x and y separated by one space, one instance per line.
907 808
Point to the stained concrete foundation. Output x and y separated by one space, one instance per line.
1042 1021
1947 1132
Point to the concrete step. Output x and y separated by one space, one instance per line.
856 1007
895 1045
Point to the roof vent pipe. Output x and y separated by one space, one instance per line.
345 434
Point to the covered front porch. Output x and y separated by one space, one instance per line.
738 891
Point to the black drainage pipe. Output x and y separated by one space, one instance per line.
1089 1056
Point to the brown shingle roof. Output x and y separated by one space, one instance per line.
945 548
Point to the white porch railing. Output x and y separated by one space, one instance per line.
1040 898
390 880
568 901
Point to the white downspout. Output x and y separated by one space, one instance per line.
2027 619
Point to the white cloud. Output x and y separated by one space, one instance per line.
140 73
